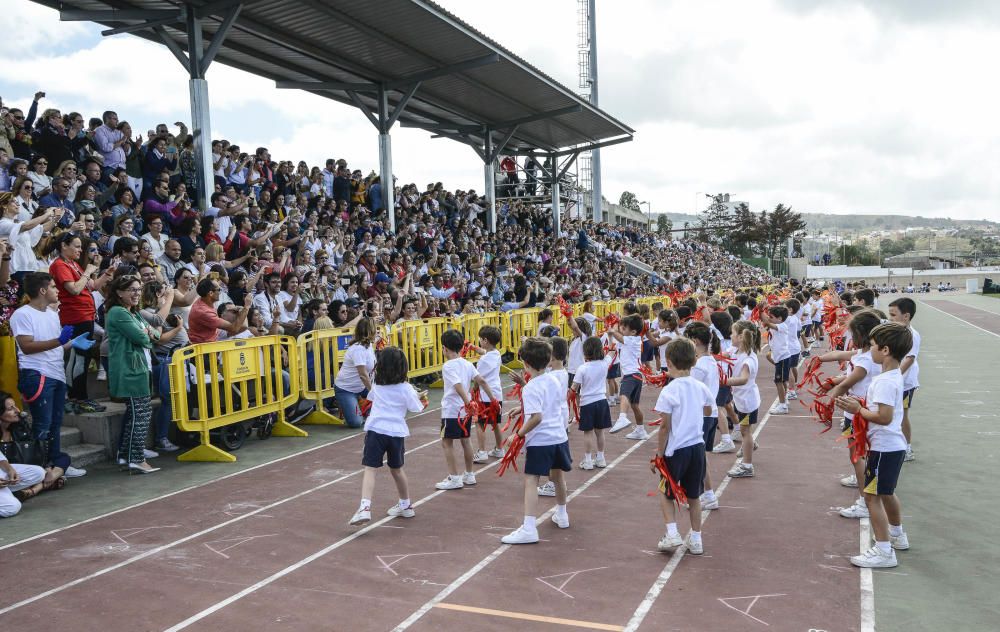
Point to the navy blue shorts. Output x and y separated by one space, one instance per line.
687 467
648 351
539 460
746 419
882 472
615 372
631 388
724 396
793 361
450 429
782 369
378 445
908 397
807 328
708 426
492 421
595 416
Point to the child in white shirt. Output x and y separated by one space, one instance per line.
746 395
489 368
595 414
628 335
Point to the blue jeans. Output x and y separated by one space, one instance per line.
164 415
348 403
46 407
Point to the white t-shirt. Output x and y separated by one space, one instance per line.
630 352
223 223
458 371
887 388
794 326
545 394
779 341
591 377
287 316
910 378
862 359
390 403
41 326
706 371
684 399
562 375
663 348
348 378
817 310
608 342
489 367
575 359
746 397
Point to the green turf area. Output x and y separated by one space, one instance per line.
947 580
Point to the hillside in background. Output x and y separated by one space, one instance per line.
827 222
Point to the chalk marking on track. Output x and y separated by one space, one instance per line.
311 558
985 331
233 543
121 534
163 547
400 557
835 569
867 583
483 563
753 601
189 488
590 625
569 577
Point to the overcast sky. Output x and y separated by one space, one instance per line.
836 106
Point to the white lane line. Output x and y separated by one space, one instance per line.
311 558
962 320
469 574
661 581
867 582
189 488
169 545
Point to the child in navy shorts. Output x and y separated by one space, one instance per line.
386 430
545 439
595 414
683 405
628 335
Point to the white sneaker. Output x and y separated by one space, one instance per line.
900 542
481 457
561 522
737 435
468 479
150 454
909 456
849 481
621 424
793 395
495 453
361 516
102 375
398 512
779 409
586 464
875 558
600 462
707 503
548 489
857 510
741 470
165 445
724 446
638 434
74 472
695 547
669 543
521 536
450 482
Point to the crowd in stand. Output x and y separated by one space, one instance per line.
99 229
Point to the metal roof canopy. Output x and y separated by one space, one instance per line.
409 61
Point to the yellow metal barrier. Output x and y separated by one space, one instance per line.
420 341
470 324
521 323
320 354
215 384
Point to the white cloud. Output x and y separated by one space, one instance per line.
841 107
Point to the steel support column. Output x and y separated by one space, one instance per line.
595 155
556 212
385 156
490 176
201 123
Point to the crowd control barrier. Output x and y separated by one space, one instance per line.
521 323
215 384
320 354
420 341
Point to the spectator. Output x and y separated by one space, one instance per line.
22 234
17 478
159 159
204 324
37 168
353 380
157 300
155 238
59 198
171 258
110 142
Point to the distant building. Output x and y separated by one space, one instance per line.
923 260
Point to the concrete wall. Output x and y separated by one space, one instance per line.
903 276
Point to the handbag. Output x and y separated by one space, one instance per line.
25 449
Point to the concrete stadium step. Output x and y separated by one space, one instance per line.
85 454
102 429
69 437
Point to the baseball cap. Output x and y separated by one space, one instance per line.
381 277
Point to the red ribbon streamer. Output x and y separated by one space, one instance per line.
660 463
565 308
857 440
573 399
812 372
652 379
722 360
611 320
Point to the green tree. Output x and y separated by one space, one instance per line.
746 235
629 201
778 226
715 221
663 224
892 247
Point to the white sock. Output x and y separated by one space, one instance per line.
884 547
366 503
672 528
588 456
561 511
600 455
529 523
909 447
895 530
709 494
404 503
696 536
727 437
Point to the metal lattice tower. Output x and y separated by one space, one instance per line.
589 163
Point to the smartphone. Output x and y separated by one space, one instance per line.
345 281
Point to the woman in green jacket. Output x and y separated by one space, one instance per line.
130 340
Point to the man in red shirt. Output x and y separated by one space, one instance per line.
204 324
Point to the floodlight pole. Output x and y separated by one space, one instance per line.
595 155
